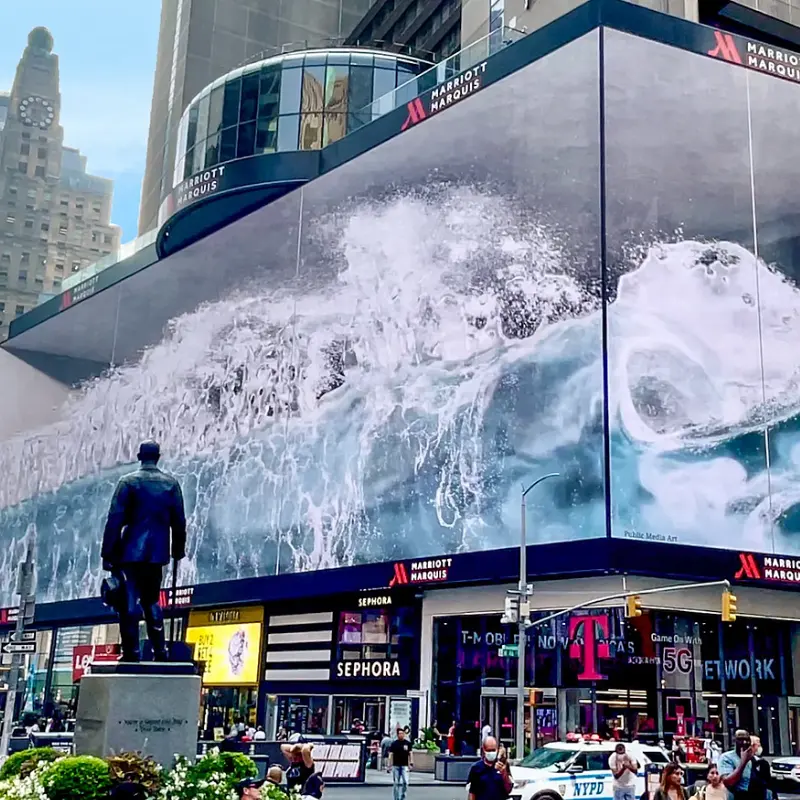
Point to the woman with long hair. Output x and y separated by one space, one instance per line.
671 787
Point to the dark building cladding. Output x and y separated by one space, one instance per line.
421 27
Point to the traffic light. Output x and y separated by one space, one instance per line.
728 606
633 606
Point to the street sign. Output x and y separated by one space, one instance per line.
25 636
509 651
19 647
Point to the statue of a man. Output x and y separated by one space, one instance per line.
146 524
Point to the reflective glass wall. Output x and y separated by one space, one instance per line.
297 101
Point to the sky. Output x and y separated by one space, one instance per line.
107 56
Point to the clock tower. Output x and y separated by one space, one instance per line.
54 216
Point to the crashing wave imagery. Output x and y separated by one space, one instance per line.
389 403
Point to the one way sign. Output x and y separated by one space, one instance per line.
19 647
25 636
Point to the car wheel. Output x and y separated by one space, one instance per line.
547 796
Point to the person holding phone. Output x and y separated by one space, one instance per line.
736 766
623 770
489 778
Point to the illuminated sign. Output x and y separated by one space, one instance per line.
183 597
228 642
369 669
756 56
376 601
432 570
775 569
446 94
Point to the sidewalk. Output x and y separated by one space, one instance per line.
380 777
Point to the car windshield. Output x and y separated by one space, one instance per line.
546 757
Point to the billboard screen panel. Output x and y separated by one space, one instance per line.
365 370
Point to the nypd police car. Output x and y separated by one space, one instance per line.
565 770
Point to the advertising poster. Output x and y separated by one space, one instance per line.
228 643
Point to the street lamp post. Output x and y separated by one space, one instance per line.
522 619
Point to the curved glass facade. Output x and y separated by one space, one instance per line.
295 101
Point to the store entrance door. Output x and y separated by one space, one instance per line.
500 713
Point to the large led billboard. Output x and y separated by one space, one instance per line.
703 305
370 368
408 339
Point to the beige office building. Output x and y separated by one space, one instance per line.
54 216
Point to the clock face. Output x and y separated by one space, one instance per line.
36 112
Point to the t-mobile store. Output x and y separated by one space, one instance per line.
669 672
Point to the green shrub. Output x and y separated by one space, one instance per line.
78 778
235 766
25 760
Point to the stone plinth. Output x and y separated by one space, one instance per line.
150 707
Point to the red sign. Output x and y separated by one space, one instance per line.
587 646
725 48
84 654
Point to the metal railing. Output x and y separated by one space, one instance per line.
465 58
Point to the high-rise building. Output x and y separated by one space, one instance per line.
201 40
54 217
419 27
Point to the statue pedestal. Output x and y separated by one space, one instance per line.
150 707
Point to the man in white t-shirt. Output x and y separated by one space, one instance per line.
624 769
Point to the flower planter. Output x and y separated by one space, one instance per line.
423 760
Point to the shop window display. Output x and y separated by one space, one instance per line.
659 676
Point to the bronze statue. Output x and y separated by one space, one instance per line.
146 525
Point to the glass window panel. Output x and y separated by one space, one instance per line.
249 102
291 80
315 59
215 110
288 131
362 60
187 164
334 128
313 89
383 62
336 88
293 61
199 155
339 58
267 135
191 131
247 140
359 88
212 150
311 131
269 94
230 104
227 150
383 82
202 120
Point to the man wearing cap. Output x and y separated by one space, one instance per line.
736 767
250 788
146 523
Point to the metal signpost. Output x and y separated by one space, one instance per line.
20 643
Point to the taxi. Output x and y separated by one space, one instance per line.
567 770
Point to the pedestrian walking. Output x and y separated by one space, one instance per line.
488 778
400 763
623 773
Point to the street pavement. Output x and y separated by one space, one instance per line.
379 787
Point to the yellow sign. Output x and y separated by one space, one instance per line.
231 650
226 616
